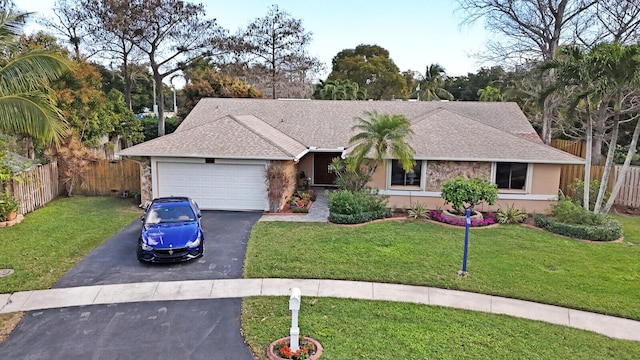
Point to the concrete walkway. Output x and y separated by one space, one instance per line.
614 327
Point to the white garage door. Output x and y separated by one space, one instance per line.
215 186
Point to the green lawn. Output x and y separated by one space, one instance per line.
357 329
509 260
52 239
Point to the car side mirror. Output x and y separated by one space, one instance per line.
142 218
199 215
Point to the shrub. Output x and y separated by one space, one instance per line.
8 205
510 215
419 210
464 193
348 175
610 229
578 193
353 207
569 212
359 218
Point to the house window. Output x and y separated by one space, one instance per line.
399 177
511 176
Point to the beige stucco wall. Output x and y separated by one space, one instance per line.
305 164
545 179
379 179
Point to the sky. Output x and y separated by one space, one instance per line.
415 32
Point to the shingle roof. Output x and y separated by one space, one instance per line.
225 137
451 130
446 135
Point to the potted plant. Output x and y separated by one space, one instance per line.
8 207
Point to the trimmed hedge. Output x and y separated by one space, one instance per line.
359 218
610 229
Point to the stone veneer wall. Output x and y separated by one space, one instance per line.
146 192
440 171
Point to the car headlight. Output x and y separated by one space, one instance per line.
194 243
145 247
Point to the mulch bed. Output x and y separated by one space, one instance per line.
286 210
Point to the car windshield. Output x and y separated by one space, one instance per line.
170 214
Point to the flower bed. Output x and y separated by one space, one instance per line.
488 219
309 349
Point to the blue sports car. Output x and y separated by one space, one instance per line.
171 231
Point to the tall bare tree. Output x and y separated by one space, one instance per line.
69 23
109 23
171 33
278 42
615 21
533 30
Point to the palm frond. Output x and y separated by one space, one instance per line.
33 113
30 71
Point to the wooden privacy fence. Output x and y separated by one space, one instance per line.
36 187
629 193
575 147
111 177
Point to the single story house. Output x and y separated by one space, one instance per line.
219 153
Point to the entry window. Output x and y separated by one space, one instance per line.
399 177
512 176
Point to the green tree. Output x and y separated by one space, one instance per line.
125 125
381 136
339 90
465 194
432 84
489 93
27 102
606 80
371 68
465 88
81 99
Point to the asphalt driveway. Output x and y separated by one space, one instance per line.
114 262
195 329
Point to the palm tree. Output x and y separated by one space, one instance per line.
431 86
27 103
344 89
608 74
380 136
576 75
489 93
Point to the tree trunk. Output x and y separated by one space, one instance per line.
127 84
160 99
609 162
625 167
548 108
598 134
588 159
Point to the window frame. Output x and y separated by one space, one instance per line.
420 186
527 181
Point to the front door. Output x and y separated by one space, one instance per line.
321 174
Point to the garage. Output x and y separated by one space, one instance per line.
220 185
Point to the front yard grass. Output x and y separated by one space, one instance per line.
509 260
52 239
358 329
